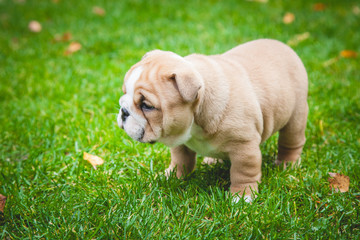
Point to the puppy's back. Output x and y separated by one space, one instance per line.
278 77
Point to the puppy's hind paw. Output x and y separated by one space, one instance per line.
285 164
168 172
211 161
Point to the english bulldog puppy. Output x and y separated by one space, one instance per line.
219 106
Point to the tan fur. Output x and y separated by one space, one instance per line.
226 105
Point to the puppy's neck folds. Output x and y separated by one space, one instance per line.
199 142
178 140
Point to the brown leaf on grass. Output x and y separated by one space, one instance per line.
99 11
298 39
15 44
348 54
319 7
356 10
63 38
73 47
4 17
93 159
288 18
343 54
34 26
339 182
2 203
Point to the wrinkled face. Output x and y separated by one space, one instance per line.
154 106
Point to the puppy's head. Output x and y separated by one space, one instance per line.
161 94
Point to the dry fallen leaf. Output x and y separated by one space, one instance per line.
319 7
63 38
339 182
298 39
98 11
348 54
4 17
34 26
288 18
2 203
73 47
356 10
15 44
93 160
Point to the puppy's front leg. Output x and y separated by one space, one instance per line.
245 171
183 159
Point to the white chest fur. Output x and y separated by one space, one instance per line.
201 145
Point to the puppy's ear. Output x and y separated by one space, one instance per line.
188 82
151 52
145 55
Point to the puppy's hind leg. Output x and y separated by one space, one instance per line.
292 138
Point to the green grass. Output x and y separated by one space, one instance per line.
55 107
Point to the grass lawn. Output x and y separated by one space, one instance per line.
56 106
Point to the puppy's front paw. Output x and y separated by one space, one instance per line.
237 198
168 172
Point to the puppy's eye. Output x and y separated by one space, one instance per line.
147 107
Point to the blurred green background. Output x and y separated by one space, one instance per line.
59 91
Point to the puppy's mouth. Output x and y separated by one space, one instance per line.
122 122
151 142
141 139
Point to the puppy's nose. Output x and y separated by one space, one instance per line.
124 114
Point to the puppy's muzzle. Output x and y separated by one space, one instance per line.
124 114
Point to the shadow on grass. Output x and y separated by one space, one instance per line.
206 177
